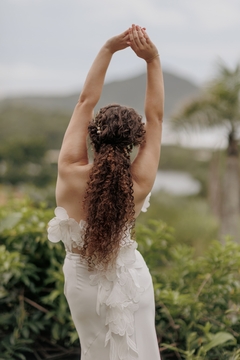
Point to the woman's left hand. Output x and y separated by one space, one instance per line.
118 42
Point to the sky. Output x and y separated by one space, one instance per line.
47 46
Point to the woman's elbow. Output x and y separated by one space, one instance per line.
85 100
154 114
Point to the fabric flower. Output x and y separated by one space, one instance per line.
61 227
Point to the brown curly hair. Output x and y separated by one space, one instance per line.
109 199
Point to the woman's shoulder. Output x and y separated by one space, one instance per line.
72 184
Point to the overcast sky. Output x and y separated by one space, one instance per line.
47 46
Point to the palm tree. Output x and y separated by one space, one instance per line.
219 106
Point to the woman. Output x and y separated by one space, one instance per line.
107 283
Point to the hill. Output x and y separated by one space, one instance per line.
129 92
46 117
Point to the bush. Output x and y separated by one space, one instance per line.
32 303
197 298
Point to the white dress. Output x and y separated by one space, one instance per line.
113 310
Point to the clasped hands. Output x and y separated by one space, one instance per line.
137 38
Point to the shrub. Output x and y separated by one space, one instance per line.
197 298
33 307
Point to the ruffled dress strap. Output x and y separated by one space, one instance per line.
61 227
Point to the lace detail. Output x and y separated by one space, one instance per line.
119 287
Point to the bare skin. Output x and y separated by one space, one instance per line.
73 164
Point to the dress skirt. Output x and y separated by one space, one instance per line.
114 310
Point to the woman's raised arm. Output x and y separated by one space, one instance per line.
74 146
145 165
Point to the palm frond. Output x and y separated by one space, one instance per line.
218 105
198 114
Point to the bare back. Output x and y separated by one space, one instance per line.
73 165
70 192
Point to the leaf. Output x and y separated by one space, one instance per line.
54 294
6 318
10 221
3 293
20 356
170 347
218 339
25 332
55 331
73 336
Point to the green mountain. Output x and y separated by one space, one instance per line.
47 116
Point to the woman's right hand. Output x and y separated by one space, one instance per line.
118 42
141 43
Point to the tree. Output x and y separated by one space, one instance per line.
219 105
22 160
18 151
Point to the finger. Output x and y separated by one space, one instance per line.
129 39
141 37
132 40
126 32
136 36
146 36
124 36
130 35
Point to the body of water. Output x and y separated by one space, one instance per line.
176 183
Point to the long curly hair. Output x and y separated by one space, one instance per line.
109 200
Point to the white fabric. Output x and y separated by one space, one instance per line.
113 310
146 203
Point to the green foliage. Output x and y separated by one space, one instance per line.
32 304
191 218
197 298
23 161
19 151
218 104
23 149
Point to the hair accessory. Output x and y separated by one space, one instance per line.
97 124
